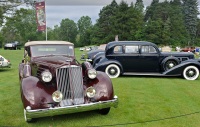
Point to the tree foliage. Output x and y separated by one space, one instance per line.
173 22
84 25
190 10
22 27
68 30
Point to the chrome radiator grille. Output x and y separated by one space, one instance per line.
70 84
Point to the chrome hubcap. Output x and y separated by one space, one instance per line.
112 71
191 73
171 65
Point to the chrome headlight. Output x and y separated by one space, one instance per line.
57 96
90 92
46 76
92 73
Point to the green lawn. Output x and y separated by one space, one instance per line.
143 102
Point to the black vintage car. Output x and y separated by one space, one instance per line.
54 83
144 58
90 55
13 45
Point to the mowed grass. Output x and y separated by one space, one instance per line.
143 102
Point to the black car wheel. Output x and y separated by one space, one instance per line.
191 73
169 64
113 71
104 111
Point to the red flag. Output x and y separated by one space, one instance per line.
40 16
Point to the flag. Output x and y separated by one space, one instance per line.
40 16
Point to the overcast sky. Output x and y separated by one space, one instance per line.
56 10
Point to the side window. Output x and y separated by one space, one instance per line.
132 49
118 49
152 49
145 49
148 49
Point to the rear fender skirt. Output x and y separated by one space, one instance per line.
35 93
178 70
102 65
103 86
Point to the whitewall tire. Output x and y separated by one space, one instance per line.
191 73
113 71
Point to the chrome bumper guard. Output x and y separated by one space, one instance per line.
71 109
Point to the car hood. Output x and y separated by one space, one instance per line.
54 61
183 54
93 52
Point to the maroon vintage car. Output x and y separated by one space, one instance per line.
54 83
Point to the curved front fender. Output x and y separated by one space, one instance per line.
103 86
169 58
36 94
178 70
101 66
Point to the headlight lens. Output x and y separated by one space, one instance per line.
90 92
57 96
46 76
92 73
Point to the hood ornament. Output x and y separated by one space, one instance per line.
69 60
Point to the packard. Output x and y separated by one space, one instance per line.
53 82
145 58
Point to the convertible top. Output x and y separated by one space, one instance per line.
48 43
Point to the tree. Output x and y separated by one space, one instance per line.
150 10
190 9
84 24
8 7
54 33
122 18
178 32
105 24
22 27
68 30
139 5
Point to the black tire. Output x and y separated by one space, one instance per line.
104 111
191 73
169 64
113 71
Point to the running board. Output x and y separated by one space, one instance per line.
147 74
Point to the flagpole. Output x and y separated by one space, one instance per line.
46 19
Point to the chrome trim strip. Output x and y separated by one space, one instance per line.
71 109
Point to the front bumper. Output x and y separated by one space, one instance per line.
71 109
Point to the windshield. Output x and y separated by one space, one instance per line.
43 50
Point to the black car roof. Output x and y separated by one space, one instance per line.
114 43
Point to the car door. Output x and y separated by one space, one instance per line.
148 59
130 58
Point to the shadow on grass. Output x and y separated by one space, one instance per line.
6 69
68 117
